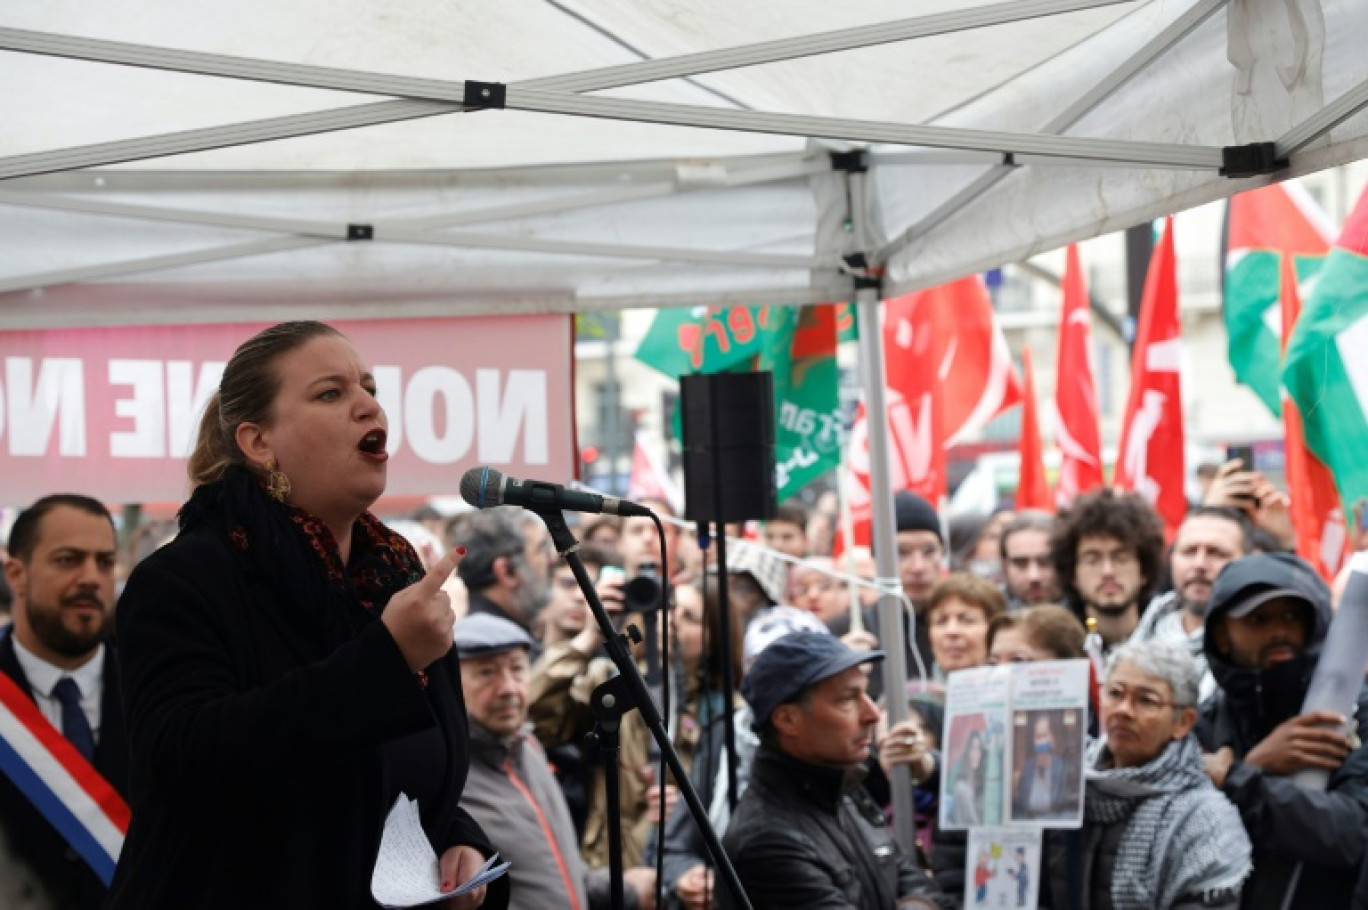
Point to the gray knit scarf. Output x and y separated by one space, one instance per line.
1183 837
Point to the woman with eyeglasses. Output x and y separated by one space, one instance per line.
1156 834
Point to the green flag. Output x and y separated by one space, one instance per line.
1326 371
796 344
800 350
1263 225
702 339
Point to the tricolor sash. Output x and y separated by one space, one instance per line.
61 784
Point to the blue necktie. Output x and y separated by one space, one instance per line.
75 726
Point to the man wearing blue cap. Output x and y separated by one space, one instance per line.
805 833
1265 627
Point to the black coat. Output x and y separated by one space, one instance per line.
67 881
807 836
1325 831
263 763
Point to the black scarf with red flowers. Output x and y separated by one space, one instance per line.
294 555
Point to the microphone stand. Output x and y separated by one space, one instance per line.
725 633
615 698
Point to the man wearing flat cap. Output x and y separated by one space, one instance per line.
806 834
511 789
1265 626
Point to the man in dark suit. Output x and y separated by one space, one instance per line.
61 569
1041 781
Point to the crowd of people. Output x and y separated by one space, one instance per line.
282 666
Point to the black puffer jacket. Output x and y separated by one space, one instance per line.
808 836
1325 831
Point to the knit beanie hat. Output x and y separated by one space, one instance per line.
912 513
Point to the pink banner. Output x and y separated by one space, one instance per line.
113 412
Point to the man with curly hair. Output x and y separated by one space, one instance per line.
1107 550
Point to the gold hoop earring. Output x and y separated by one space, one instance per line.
277 484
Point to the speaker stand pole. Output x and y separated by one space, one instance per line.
723 601
728 684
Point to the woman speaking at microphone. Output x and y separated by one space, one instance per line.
288 668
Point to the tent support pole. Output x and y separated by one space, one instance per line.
1163 154
1329 117
892 628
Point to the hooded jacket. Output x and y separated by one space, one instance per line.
1326 832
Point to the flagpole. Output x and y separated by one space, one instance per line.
892 628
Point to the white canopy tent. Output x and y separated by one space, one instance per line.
169 162
195 161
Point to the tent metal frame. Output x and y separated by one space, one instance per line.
428 97
1153 49
422 230
681 65
566 94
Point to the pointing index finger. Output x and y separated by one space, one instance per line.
441 570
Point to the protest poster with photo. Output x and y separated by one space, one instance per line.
1003 869
1048 730
1012 745
974 748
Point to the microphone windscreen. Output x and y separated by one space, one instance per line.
482 487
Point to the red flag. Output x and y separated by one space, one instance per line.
1150 457
1033 487
651 480
1317 517
1076 432
949 372
1280 216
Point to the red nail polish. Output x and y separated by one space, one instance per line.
446 886
460 551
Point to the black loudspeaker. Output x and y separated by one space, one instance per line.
728 423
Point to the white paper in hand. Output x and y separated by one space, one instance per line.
406 873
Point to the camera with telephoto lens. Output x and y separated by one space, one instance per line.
641 593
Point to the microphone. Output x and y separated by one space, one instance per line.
485 488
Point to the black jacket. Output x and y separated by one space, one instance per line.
1288 824
68 883
811 837
264 764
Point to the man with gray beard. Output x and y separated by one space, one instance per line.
1209 538
506 569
